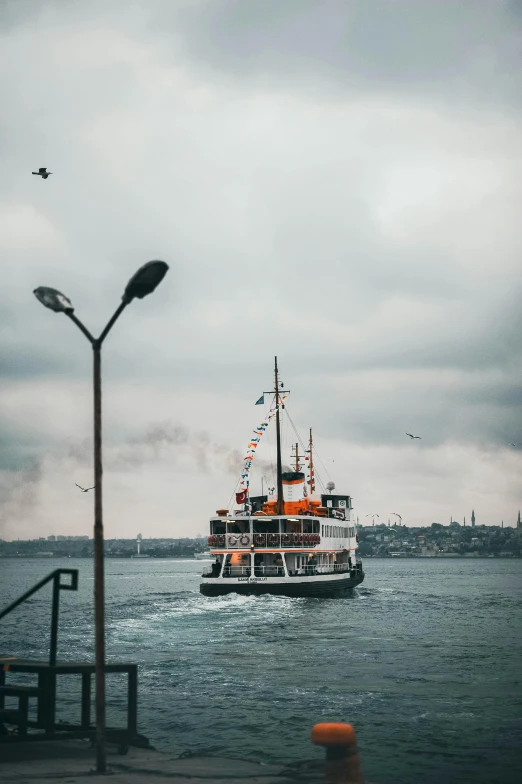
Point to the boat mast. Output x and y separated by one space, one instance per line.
297 466
280 504
312 482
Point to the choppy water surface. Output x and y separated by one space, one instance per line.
424 659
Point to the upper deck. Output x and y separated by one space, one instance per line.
281 532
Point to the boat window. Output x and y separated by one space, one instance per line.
265 526
217 527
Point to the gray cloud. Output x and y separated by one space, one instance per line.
335 183
459 52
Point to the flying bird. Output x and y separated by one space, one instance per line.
85 489
512 445
42 172
410 435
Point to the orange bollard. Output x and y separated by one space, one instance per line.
342 758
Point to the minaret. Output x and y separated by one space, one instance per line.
473 518
465 522
502 526
519 522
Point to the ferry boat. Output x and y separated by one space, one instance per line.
292 545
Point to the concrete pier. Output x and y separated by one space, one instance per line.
73 762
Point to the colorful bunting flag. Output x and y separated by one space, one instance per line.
255 439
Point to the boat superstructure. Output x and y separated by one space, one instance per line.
291 545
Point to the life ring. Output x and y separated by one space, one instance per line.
273 539
244 539
287 539
259 540
220 540
232 541
212 540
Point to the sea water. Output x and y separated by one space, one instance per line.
424 659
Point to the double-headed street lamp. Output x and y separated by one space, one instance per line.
142 283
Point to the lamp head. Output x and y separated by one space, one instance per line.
53 299
145 280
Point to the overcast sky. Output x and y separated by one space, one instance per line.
337 183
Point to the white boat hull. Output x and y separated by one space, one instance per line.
301 586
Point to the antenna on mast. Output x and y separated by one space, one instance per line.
311 460
280 504
295 455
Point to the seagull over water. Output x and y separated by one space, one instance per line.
42 172
85 489
410 435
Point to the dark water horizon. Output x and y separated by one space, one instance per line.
424 659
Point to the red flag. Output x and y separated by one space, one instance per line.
241 497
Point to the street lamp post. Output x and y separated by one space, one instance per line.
142 283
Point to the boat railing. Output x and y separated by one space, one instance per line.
246 540
343 568
237 571
279 571
269 571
